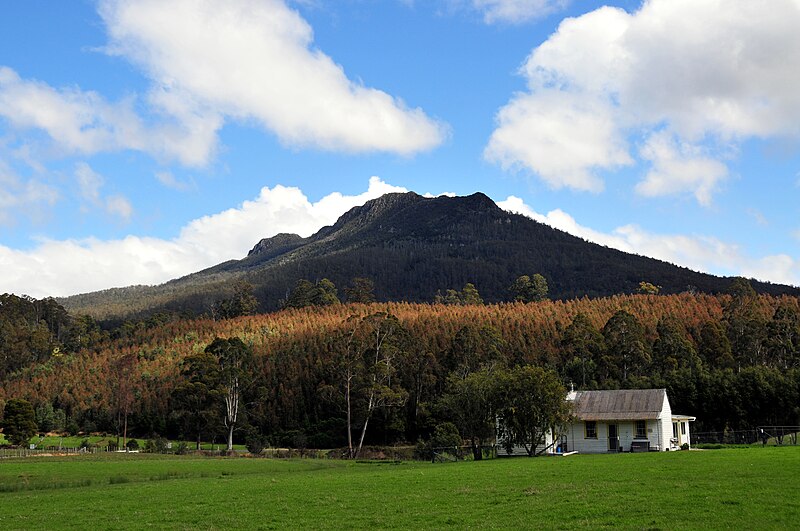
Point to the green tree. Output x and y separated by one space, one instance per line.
467 296
470 295
783 336
583 346
325 293
714 347
233 358
672 349
473 347
531 402
49 419
242 302
745 324
529 289
445 439
625 344
322 293
646 288
195 397
469 402
364 373
19 421
741 289
362 290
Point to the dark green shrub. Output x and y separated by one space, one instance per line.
255 443
157 445
72 427
132 444
182 448
445 440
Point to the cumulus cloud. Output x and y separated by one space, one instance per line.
85 123
562 136
679 168
255 60
701 253
78 121
692 78
516 11
66 267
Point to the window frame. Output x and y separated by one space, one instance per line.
586 432
640 434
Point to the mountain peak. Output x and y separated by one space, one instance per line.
277 242
411 247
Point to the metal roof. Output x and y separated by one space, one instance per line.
627 404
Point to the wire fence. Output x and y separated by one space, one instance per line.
779 435
49 451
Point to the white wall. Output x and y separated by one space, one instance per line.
665 421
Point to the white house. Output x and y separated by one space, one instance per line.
616 421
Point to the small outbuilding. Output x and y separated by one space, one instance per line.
629 420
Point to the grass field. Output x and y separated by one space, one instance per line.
103 441
737 488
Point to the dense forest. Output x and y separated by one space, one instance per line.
411 247
732 360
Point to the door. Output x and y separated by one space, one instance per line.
613 438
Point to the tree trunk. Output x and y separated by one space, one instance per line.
230 437
125 432
350 453
370 407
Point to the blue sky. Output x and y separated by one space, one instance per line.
141 141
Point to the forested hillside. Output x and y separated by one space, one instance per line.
733 361
411 247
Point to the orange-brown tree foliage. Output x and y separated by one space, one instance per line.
293 347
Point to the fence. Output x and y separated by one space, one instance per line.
779 435
50 451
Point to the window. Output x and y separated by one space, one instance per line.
641 429
683 428
590 429
674 430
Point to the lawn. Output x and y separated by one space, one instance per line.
737 488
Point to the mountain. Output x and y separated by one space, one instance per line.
412 246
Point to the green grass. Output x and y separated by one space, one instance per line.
735 488
102 441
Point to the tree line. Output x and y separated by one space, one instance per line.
346 375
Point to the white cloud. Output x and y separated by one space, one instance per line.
170 181
701 253
561 136
20 198
119 206
255 60
78 121
679 168
516 11
59 268
701 74
90 184
84 122
758 217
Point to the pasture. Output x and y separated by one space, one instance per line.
736 488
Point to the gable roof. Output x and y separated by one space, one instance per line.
626 404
